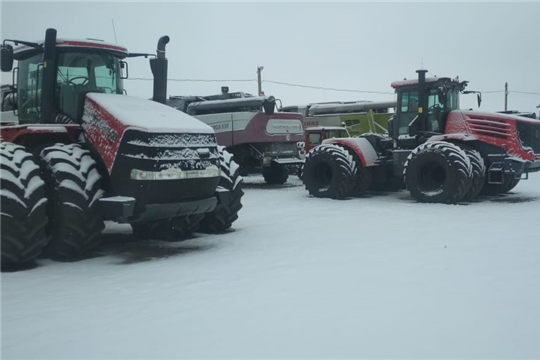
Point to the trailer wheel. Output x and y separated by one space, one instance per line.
173 229
329 171
74 187
225 213
276 175
438 172
24 216
478 173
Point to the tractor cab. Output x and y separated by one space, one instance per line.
52 79
423 105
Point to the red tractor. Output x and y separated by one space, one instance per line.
77 151
439 153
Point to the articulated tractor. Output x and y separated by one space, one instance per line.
76 151
439 153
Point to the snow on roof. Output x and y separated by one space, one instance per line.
78 43
414 81
148 114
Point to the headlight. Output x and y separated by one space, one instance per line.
174 174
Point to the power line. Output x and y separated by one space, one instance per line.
196 80
326 88
525 92
270 81
510 92
316 87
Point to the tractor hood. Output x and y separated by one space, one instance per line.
496 116
145 115
518 135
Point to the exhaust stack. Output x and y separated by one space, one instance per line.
422 103
48 113
159 70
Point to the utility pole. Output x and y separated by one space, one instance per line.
259 80
505 96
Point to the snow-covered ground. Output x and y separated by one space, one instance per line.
299 277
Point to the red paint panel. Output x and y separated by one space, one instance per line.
496 130
103 131
354 147
31 134
255 131
94 45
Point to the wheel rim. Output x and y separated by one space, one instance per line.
323 174
432 177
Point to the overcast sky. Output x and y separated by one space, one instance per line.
355 45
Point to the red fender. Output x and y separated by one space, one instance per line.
361 147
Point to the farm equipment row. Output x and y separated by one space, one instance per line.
77 151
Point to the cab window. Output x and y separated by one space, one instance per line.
314 139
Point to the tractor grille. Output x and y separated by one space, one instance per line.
493 128
529 136
156 152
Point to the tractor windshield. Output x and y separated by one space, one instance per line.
78 73
435 112
452 99
82 72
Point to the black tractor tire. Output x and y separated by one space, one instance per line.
24 204
478 173
173 229
438 172
276 175
225 214
508 184
364 177
329 171
74 187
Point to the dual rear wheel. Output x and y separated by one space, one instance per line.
441 172
50 206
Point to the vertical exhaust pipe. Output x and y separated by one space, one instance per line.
159 70
422 99
47 87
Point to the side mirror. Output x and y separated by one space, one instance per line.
479 99
124 69
442 95
6 58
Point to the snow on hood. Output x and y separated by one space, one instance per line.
148 114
